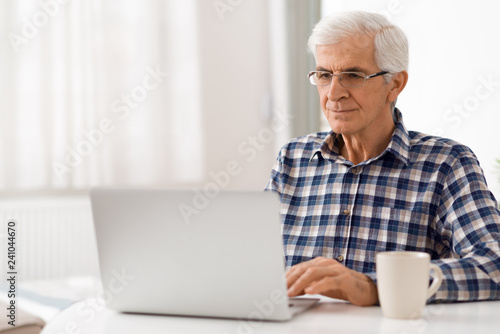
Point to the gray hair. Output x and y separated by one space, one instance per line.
390 42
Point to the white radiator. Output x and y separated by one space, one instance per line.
54 238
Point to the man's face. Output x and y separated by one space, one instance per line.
359 111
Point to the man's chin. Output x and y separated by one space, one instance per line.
341 126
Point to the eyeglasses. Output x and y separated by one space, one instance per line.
346 79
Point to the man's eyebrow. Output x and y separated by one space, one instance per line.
321 68
354 69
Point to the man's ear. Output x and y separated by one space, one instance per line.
398 83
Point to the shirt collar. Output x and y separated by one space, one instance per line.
329 147
399 146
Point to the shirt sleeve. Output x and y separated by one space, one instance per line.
275 182
469 225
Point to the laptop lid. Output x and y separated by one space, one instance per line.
180 252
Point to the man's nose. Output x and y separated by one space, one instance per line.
336 91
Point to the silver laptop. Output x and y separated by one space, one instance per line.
191 253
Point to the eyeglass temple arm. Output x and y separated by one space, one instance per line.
376 74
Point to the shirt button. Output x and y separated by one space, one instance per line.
356 170
346 212
340 258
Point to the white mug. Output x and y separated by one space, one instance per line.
403 283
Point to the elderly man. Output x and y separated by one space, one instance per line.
369 185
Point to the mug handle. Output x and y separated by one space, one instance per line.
436 282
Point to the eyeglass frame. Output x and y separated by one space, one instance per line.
365 77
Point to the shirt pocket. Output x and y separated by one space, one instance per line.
398 230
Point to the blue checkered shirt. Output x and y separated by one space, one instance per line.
423 193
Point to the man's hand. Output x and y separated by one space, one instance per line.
330 278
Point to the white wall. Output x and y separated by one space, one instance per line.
237 121
454 50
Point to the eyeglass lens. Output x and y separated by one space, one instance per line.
347 79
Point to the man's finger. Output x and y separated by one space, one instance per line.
326 286
294 273
308 276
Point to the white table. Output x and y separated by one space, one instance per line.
328 316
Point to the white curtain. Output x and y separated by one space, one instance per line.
98 92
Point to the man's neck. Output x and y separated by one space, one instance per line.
359 148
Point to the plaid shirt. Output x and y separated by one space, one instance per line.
423 193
